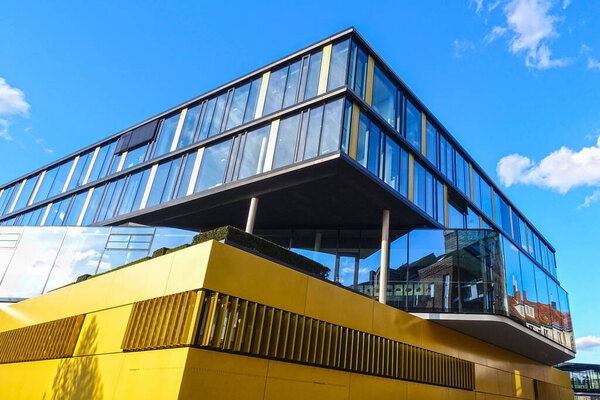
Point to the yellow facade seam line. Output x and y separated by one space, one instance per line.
178 130
472 197
411 173
36 188
369 83
262 95
195 170
85 206
446 218
423 134
70 176
43 221
271 145
354 131
148 186
122 161
91 166
12 207
324 74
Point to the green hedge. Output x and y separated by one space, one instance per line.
264 247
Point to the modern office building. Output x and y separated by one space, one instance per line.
585 380
438 286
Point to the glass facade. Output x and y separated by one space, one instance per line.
36 260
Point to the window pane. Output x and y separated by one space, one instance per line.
291 87
391 171
413 125
286 141
184 181
135 157
59 181
363 139
346 128
164 182
338 65
214 163
384 96
6 199
431 146
57 213
472 219
215 125
358 80
440 214
315 118
429 194
209 110
486 198
314 69
330 134
131 196
476 189
253 157
419 186
543 301
165 136
252 100
456 219
93 205
26 193
238 106
275 91
403 173
189 126
110 200
81 169
373 150
100 168
76 208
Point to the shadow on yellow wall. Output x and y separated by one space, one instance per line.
79 377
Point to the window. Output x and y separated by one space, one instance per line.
391 169
214 163
252 100
217 117
431 143
462 175
357 78
133 193
255 149
275 90
347 127
165 135
523 234
363 139
472 219
313 132
291 87
486 198
419 186
503 214
190 123
209 110
286 141
477 189
314 72
110 200
403 173
93 205
76 207
456 219
440 214
186 174
338 65
164 182
413 125
54 181
26 193
81 170
238 106
57 213
384 96
135 157
330 133
6 199
374 150
102 163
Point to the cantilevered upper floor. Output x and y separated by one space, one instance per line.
326 138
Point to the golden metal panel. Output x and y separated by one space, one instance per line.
354 131
258 328
324 74
423 133
369 85
262 95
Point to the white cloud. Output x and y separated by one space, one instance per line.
560 170
4 129
566 4
593 63
478 5
12 100
461 46
496 32
533 26
588 343
594 197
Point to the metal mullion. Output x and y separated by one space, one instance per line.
198 123
225 115
233 310
301 136
241 326
303 78
238 156
321 129
233 158
282 348
251 317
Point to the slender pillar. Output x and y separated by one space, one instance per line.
252 214
385 256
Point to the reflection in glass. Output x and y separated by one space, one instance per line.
255 149
215 125
25 193
31 262
413 125
186 174
357 78
79 254
214 163
76 207
291 88
165 135
431 145
275 91
314 70
330 134
338 65
164 182
286 141
92 207
135 157
384 96
102 163
80 171
313 132
238 106
189 126
252 100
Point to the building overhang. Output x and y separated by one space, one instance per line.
331 191
506 333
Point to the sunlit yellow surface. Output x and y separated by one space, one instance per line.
101 370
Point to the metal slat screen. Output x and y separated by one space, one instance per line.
54 339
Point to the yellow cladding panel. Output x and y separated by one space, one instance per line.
333 304
323 76
369 85
188 268
223 376
231 270
103 331
420 391
262 95
354 131
294 381
371 387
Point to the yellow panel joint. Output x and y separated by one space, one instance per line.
325 60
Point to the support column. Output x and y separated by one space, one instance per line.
385 256
251 214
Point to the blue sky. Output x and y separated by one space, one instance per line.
515 81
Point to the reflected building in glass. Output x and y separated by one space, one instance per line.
326 152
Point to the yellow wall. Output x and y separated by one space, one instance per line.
102 370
